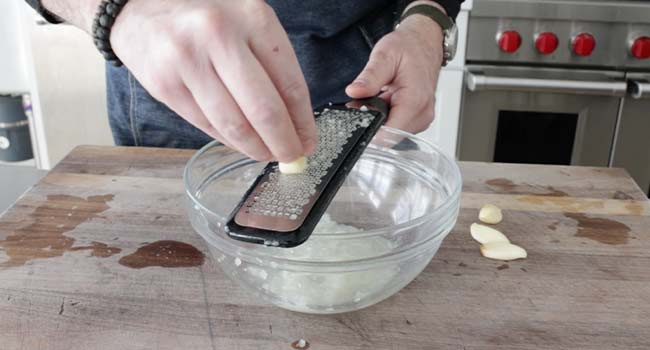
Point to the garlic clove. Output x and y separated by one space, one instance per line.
490 214
485 234
298 166
503 251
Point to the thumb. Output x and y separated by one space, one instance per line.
379 71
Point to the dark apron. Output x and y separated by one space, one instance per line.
332 39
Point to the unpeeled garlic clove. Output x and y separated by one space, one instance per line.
484 234
503 251
490 214
298 166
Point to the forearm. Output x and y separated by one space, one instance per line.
77 12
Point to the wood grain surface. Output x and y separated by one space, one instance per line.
100 255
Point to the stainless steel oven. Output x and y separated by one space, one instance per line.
558 82
544 116
632 145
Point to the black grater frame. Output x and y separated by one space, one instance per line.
349 157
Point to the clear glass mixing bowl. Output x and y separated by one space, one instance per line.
380 231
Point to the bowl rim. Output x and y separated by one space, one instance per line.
454 194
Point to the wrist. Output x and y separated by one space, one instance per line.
79 13
426 31
102 28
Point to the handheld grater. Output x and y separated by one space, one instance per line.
283 209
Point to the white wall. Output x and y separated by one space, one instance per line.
13 78
66 80
71 86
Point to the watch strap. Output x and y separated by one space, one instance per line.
432 12
445 22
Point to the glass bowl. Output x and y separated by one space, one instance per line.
380 231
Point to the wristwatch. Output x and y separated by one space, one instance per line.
449 29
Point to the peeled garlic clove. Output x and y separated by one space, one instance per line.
490 214
484 234
296 167
503 251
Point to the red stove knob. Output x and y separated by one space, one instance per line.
641 47
583 44
509 41
546 43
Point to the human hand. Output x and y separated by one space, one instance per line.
227 67
404 67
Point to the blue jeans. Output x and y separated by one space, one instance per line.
332 40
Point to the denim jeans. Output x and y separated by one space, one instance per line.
332 40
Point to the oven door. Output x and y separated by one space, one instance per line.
539 116
632 147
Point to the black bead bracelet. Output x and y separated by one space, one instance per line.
102 26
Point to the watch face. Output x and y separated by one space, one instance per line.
451 43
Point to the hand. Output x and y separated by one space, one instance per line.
404 66
225 66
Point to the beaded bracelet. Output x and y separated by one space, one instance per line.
103 24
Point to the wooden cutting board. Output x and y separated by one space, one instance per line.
100 255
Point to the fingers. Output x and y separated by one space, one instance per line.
379 71
220 109
276 55
386 93
259 101
182 102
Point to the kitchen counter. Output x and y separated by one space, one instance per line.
14 181
79 268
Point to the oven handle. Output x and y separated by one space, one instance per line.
478 82
640 89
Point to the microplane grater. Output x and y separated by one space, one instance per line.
283 209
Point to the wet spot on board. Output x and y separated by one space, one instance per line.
503 267
555 241
523 269
300 344
553 226
457 274
605 231
409 322
621 195
502 184
567 204
98 249
462 264
164 254
45 236
634 208
553 192
507 186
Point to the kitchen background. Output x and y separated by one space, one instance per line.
535 81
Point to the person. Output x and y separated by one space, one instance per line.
248 72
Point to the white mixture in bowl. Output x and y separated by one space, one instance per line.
309 292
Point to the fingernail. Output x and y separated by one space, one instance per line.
384 88
360 82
